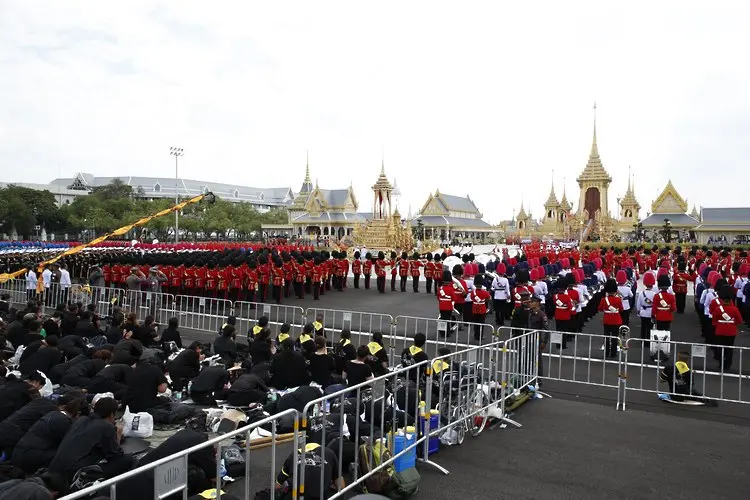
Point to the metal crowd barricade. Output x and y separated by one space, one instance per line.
170 474
583 361
440 333
453 388
16 288
361 324
248 314
205 314
521 360
144 303
645 361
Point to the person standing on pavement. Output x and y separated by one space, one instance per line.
611 306
538 321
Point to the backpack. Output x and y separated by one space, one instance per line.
380 482
406 484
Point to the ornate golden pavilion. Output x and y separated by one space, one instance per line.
592 218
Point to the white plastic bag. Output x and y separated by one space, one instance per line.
139 424
48 388
660 342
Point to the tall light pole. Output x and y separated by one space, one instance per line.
176 152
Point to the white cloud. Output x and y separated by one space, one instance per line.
478 98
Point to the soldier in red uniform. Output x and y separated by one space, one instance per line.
394 264
115 275
438 273
236 274
201 273
212 280
563 311
367 269
175 279
344 268
460 294
356 268
188 278
288 274
414 265
680 286
251 281
445 297
429 269
224 275
299 277
380 272
664 305
478 299
277 273
264 278
317 278
309 265
403 270
611 306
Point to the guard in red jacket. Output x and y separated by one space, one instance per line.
379 265
414 265
223 276
563 311
725 321
264 278
680 286
367 269
251 281
403 270
212 280
356 268
611 306
429 272
445 297
277 279
478 299
288 275
664 305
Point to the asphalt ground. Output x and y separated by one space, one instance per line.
574 444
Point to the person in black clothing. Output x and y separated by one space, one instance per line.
33 333
284 330
82 374
413 355
127 351
52 324
70 320
113 378
144 386
344 350
358 371
17 393
58 371
13 428
201 466
314 458
289 367
378 358
260 349
85 327
248 388
209 385
38 446
172 334
16 332
91 440
186 366
95 318
225 346
47 356
114 332
72 345
306 342
321 363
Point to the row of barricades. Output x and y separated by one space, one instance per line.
338 441
636 365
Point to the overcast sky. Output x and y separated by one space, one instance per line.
478 98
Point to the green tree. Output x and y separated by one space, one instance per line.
22 209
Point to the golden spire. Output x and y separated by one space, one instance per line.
552 199
594 171
307 167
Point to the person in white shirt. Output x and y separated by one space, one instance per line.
47 280
643 305
626 294
64 283
541 290
707 297
500 294
31 281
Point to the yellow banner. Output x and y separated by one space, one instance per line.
117 232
